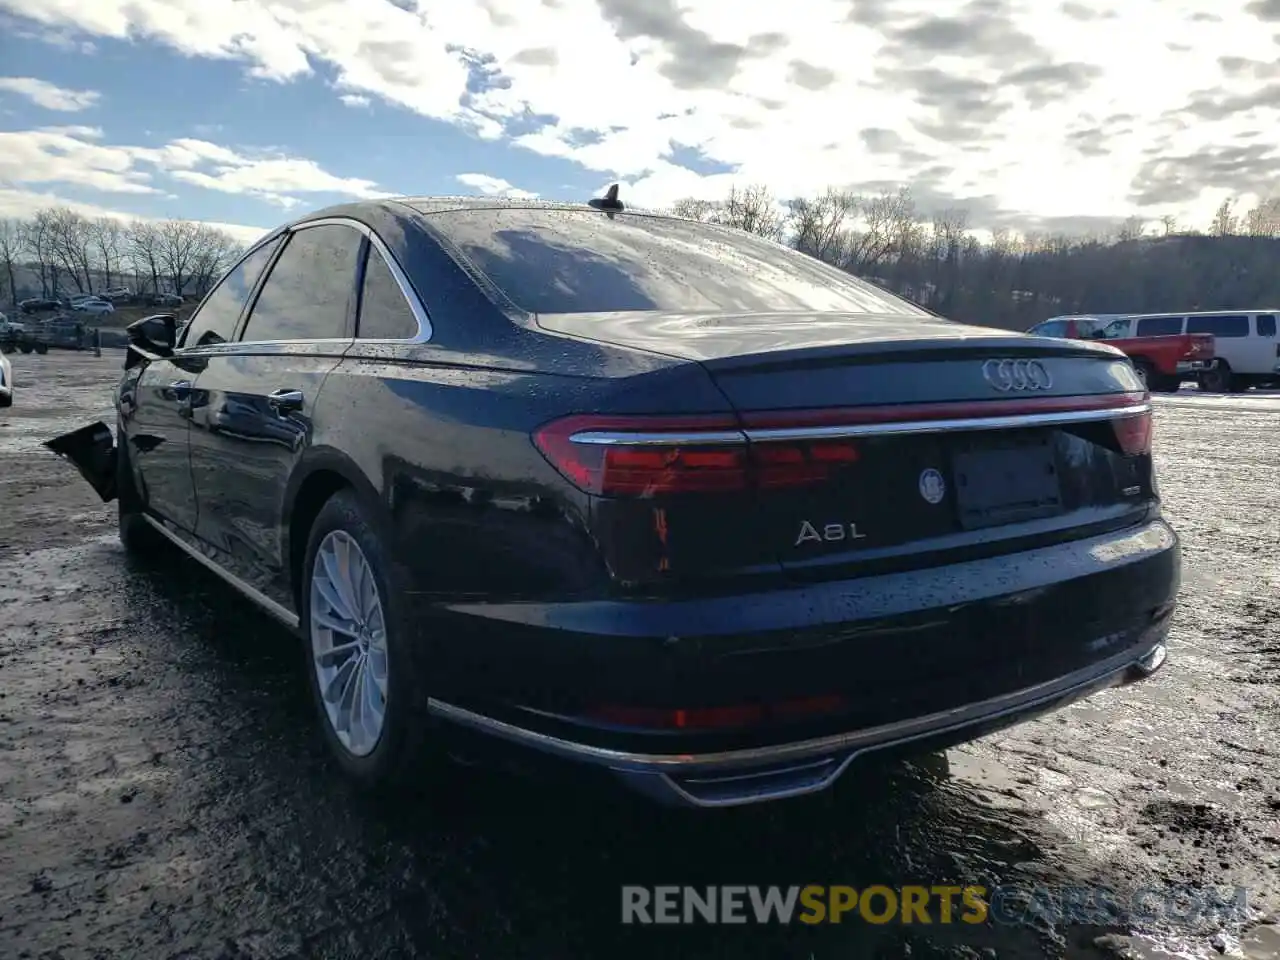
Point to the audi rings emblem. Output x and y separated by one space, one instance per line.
1010 375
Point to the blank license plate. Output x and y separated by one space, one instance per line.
1006 483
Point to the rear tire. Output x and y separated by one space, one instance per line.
347 559
1219 379
138 537
1161 383
1145 373
42 348
25 348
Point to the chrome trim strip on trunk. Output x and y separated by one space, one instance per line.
287 617
1011 422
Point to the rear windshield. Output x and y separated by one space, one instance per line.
570 261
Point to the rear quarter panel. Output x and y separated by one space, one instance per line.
443 437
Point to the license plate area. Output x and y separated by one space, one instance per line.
1001 479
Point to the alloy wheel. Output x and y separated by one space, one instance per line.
349 643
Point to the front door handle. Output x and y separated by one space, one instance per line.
285 401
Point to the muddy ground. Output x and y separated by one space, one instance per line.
162 793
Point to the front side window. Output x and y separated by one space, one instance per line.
1097 328
572 261
1050 328
384 312
1222 325
215 320
308 294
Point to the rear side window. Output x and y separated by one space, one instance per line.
572 261
1223 325
215 320
384 312
1160 326
1266 325
308 294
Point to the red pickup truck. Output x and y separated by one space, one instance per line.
1162 362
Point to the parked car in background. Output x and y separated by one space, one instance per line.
38 305
1246 344
164 300
93 306
117 294
1162 362
640 492
6 381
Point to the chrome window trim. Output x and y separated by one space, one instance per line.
1014 421
402 281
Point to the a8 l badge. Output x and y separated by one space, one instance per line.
932 487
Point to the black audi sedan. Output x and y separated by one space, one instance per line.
644 493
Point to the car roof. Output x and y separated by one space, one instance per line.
431 205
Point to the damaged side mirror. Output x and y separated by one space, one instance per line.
156 334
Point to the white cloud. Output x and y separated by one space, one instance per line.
355 100
493 186
1022 110
23 204
77 156
50 95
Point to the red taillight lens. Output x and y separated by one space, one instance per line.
1134 433
717 718
620 457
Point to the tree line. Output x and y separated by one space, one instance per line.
58 252
1015 280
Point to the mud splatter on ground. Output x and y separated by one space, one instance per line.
162 793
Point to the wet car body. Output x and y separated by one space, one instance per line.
723 552
6 381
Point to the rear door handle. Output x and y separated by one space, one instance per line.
285 401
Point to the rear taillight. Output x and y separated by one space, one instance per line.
717 718
1133 433
1201 346
638 457
616 456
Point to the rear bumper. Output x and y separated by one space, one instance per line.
753 775
918 659
1195 366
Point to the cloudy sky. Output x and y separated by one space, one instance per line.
1030 113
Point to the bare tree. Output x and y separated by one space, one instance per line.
752 208
890 229
142 240
820 225
691 208
13 241
1170 224
106 234
1133 228
1225 222
41 245
179 246
1264 219
71 239
216 252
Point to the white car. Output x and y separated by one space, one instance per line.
93 306
6 382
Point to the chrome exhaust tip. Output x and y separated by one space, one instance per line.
1152 661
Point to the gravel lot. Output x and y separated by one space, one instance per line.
162 793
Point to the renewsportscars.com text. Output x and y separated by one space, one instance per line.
935 904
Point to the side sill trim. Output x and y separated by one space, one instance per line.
287 617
